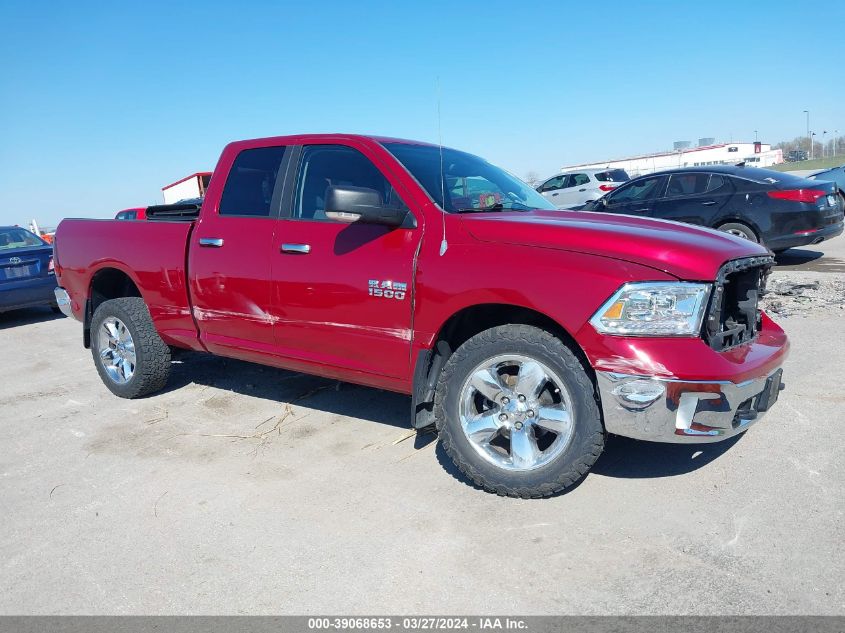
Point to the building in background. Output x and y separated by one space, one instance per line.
753 154
192 186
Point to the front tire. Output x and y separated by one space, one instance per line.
517 412
130 356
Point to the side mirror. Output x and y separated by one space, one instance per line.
361 204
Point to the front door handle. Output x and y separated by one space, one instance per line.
709 203
298 249
211 242
554 194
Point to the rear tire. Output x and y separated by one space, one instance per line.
740 230
130 356
505 437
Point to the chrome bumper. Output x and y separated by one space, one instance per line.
63 301
665 410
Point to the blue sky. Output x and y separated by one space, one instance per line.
102 105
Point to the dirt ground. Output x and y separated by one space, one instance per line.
243 489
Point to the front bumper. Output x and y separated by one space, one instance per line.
668 410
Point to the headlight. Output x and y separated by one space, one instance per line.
654 309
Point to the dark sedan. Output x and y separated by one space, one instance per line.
27 278
776 209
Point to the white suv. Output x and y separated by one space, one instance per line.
575 188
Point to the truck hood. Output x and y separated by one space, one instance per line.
685 251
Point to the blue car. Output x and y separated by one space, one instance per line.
27 278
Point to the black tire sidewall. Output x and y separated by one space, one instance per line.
130 311
588 434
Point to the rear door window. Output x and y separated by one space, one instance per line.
577 180
681 185
687 184
251 182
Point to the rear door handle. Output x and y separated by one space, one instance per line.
211 242
582 190
709 203
298 249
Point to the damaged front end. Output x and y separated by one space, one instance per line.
733 317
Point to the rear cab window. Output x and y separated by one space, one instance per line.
612 175
251 183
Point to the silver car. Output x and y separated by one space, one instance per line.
577 187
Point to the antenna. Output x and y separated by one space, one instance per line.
443 243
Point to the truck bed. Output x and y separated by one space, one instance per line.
151 254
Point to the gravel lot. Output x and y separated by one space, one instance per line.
244 489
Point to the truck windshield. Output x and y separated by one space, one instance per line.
469 182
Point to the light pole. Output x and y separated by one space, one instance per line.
755 136
824 133
810 140
835 138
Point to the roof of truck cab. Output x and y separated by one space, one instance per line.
312 138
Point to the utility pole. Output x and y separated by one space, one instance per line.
809 138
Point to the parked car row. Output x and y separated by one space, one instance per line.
776 209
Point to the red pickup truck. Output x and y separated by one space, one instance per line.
524 333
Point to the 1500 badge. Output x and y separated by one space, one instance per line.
387 289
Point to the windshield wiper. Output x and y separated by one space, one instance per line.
495 207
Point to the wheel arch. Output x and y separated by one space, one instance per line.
739 219
107 282
459 328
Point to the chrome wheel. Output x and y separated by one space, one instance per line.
117 350
516 412
737 232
